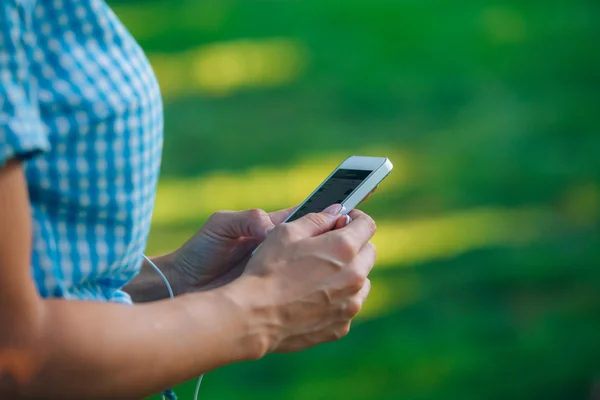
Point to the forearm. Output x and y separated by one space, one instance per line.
99 350
148 286
60 349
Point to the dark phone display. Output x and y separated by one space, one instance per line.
334 191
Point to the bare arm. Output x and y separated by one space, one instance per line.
73 350
302 288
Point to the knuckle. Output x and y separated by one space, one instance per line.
338 333
356 213
258 219
256 213
284 232
342 331
370 222
372 225
257 216
316 219
372 248
332 336
364 293
367 286
356 282
353 308
346 247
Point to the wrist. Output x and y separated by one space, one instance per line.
257 318
167 264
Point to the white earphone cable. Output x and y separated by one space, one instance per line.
169 394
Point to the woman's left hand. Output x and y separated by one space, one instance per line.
219 251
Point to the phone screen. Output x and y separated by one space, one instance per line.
334 191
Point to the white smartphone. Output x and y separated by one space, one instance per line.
347 185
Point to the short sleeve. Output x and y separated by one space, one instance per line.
22 133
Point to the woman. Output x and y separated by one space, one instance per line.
80 144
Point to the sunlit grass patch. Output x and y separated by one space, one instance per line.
219 69
454 233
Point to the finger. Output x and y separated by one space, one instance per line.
317 223
342 221
364 292
332 332
340 331
335 331
356 273
365 260
355 213
277 217
358 270
355 304
254 223
356 234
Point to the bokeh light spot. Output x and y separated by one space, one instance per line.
223 68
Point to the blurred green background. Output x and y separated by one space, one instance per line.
488 281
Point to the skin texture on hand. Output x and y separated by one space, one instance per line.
309 280
219 251
215 256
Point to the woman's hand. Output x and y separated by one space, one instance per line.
218 252
307 282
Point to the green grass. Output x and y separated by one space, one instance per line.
485 105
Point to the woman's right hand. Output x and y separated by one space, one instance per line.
307 282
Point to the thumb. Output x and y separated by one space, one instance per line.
315 224
253 223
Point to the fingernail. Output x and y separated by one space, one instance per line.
335 209
348 219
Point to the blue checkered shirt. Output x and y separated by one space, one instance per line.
80 105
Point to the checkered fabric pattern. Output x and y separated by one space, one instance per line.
80 105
